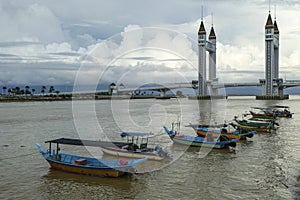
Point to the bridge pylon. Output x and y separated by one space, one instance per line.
204 84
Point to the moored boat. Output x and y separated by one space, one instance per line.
87 165
263 113
210 142
217 132
258 125
136 146
281 111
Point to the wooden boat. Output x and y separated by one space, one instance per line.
263 126
87 165
223 131
263 113
281 111
136 146
210 142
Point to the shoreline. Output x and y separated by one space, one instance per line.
8 99
76 97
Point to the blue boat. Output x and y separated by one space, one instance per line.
209 141
225 130
87 165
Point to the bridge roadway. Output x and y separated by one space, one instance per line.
169 86
163 88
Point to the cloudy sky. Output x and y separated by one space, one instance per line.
57 42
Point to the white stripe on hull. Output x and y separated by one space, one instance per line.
131 155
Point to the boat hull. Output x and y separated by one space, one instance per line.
202 133
272 116
199 141
89 165
198 144
120 153
85 171
284 115
247 125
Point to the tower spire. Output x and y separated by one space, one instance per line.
202 30
275 12
269 23
276 30
201 12
212 34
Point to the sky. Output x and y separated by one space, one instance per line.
139 42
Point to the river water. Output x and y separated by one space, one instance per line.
266 166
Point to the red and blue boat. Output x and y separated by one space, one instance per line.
224 130
86 165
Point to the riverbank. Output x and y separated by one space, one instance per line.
4 99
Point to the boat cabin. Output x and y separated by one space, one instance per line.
136 140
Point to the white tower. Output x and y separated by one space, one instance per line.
269 56
202 60
211 47
276 50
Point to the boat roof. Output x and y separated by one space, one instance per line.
207 125
279 106
79 142
137 134
262 108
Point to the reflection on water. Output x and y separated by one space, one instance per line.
265 167
87 187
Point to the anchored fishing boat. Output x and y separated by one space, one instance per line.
237 133
281 111
258 125
210 141
86 165
136 146
263 113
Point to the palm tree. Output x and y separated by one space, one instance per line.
27 89
43 89
9 91
17 90
4 89
33 90
51 89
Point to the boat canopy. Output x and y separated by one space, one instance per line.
79 142
279 106
260 108
135 134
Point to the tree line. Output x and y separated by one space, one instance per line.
28 91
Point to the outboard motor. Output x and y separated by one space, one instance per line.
223 131
250 135
232 144
160 151
223 138
274 123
